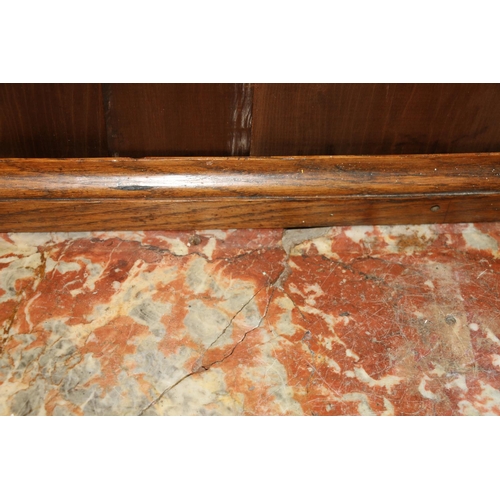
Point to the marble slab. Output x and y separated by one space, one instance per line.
367 320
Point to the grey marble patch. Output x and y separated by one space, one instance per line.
124 399
244 303
29 401
204 323
26 359
53 362
62 411
199 281
5 369
293 237
192 398
156 368
79 375
150 313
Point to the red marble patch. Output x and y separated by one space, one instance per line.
384 320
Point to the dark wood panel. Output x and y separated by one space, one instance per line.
289 177
52 121
107 194
178 119
373 119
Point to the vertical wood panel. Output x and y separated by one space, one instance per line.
349 119
242 120
68 120
52 120
178 119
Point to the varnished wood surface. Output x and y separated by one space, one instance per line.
178 119
241 119
373 119
227 213
290 177
52 120
190 193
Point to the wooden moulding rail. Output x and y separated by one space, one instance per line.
250 192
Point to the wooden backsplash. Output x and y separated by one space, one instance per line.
137 120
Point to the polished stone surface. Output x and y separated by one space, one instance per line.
370 320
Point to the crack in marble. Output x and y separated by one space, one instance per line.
166 391
202 369
231 321
331 336
243 337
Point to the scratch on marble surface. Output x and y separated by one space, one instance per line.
369 320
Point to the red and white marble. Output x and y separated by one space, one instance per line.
370 320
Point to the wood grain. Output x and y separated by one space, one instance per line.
375 119
178 119
287 177
241 119
227 213
190 193
52 120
